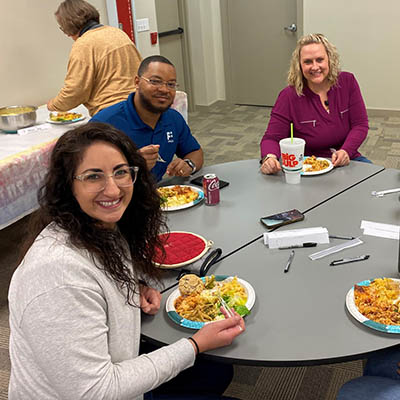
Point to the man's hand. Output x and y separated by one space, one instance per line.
150 300
150 154
340 158
178 167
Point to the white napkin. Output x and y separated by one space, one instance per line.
387 231
335 249
296 237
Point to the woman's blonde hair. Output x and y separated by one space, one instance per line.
295 76
73 15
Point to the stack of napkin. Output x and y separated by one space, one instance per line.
296 237
381 230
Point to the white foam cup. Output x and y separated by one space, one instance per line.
292 156
292 177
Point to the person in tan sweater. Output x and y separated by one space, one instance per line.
102 63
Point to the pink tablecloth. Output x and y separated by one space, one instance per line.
20 178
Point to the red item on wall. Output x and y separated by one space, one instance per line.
125 17
154 37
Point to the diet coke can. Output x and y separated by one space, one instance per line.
211 189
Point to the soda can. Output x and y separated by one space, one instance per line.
211 189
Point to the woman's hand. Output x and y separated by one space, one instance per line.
271 165
220 333
150 300
340 158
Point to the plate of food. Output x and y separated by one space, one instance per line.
62 118
179 197
196 302
376 304
316 166
181 248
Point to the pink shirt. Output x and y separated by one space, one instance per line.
344 127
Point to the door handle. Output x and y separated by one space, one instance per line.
177 31
291 28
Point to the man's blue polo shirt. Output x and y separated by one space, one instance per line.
171 132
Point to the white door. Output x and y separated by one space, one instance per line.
170 31
257 48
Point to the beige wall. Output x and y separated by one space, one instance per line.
35 54
366 33
34 57
146 9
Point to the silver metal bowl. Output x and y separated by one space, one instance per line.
13 118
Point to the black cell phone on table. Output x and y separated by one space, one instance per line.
199 182
284 218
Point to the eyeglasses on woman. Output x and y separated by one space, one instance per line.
96 181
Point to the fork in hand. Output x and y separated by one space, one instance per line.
159 159
226 308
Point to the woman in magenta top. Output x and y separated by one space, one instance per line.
324 104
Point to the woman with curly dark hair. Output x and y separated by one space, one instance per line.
75 299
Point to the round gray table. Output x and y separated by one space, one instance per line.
300 317
251 195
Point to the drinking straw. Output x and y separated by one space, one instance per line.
291 132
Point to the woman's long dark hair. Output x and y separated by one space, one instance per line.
139 225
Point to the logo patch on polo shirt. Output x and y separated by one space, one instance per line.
170 137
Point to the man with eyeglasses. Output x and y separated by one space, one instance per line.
159 131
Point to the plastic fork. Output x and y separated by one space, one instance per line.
227 309
384 192
225 306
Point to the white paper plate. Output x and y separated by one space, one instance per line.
323 171
187 323
65 122
187 205
353 310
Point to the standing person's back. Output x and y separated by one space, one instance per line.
102 64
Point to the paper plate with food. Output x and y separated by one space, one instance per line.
179 197
197 302
316 166
376 304
65 118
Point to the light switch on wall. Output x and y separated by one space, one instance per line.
142 25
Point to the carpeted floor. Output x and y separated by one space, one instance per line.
227 133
